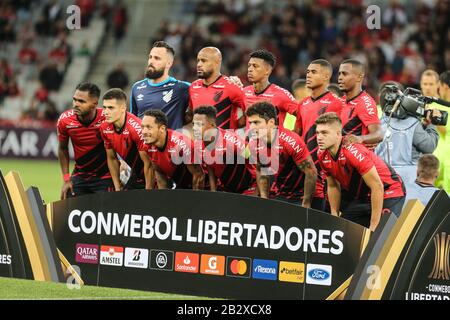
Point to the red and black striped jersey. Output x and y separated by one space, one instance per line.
127 142
225 96
281 159
90 154
351 163
358 113
309 110
225 155
282 99
171 160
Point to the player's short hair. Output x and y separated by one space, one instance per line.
430 73
115 93
333 87
265 55
428 166
444 78
163 44
92 89
160 117
329 118
324 64
264 109
299 83
356 64
209 111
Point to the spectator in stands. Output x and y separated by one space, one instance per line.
120 22
118 77
27 54
50 76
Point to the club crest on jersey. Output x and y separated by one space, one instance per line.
217 96
140 97
167 95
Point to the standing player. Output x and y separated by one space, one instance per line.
223 154
359 115
360 184
159 90
281 156
214 89
171 153
260 67
82 125
318 75
122 135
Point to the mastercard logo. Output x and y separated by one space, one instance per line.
238 267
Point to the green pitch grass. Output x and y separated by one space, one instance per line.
45 175
31 290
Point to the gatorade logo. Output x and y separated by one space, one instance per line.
213 265
239 267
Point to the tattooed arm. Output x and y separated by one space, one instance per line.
309 168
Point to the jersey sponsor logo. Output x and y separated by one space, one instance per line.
140 97
182 144
369 105
355 152
234 140
167 96
141 86
218 86
136 126
108 131
326 101
291 141
171 84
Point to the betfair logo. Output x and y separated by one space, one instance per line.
292 272
441 267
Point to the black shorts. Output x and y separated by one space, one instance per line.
82 187
134 183
360 211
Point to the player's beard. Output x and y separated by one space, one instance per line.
204 74
153 73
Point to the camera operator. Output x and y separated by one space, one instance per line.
406 137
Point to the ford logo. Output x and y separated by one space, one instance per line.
318 274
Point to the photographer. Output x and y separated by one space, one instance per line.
406 137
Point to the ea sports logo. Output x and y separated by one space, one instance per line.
161 260
238 267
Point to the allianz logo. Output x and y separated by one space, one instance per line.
319 274
261 269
